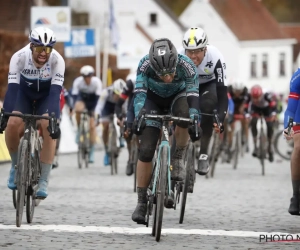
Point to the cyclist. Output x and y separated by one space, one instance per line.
106 108
211 70
36 74
165 81
292 111
261 103
127 94
239 94
86 91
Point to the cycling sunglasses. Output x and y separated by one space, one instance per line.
166 73
40 49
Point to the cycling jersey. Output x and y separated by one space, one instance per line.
88 93
266 103
27 83
293 109
107 102
185 79
238 99
212 67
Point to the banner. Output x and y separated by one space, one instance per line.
57 19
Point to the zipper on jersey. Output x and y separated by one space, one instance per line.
38 83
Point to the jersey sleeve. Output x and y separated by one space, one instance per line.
293 100
141 86
99 86
220 68
75 88
192 85
58 70
101 101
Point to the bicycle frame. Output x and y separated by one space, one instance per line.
164 142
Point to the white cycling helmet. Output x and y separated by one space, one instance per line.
237 84
118 86
42 37
87 70
194 38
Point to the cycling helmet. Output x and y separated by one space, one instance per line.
118 86
256 91
87 70
163 56
194 38
237 85
42 37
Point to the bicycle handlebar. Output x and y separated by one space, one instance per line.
52 119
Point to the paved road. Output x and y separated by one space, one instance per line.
90 209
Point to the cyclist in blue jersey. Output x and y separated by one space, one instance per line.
36 75
293 111
166 82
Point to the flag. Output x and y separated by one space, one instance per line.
114 32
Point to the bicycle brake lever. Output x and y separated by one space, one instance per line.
216 116
290 125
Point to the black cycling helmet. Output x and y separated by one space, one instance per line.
163 56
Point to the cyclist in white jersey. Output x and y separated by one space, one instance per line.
86 91
211 69
36 75
106 108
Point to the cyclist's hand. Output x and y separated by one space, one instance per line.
192 129
56 132
3 124
135 126
119 122
247 116
98 120
288 136
218 129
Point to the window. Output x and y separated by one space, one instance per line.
264 65
282 64
253 66
153 19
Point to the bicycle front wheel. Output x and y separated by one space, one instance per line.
189 167
113 151
161 191
21 181
262 152
236 151
213 156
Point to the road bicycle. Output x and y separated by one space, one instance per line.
160 186
28 168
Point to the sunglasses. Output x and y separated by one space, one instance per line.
40 49
166 73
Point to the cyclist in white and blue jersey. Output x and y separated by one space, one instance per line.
36 75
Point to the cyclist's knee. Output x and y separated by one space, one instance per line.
270 129
148 143
146 153
208 104
14 123
79 106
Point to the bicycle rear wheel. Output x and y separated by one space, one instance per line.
14 197
280 150
113 151
213 156
161 191
133 160
21 181
189 167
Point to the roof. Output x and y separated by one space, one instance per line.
293 31
248 19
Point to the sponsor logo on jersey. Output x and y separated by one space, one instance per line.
205 76
30 71
209 64
220 74
224 65
188 66
59 75
144 66
206 71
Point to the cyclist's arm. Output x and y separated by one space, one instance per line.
123 97
221 86
272 103
192 85
141 86
101 102
293 100
58 71
230 105
16 65
75 89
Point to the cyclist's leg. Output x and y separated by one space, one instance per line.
92 137
208 102
180 108
14 131
295 172
48 150
253 123
148 142
78 107
267 112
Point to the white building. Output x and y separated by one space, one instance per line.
139 23
255 48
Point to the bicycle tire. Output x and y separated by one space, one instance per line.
113 151
189 166
213 155
14 197
21 184
133 160
86 145
277 146
154 211
262 152
79 153
31 190
236 151
161 191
